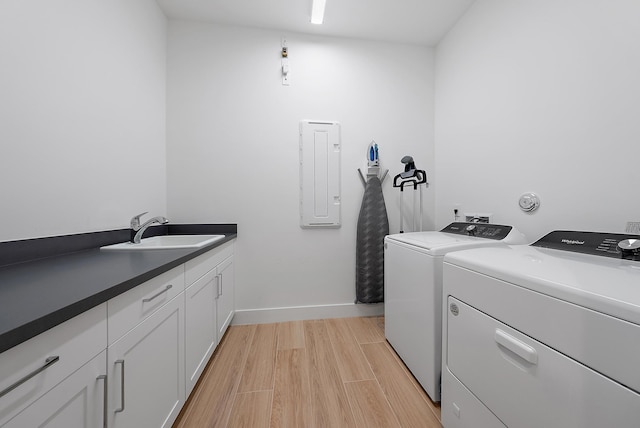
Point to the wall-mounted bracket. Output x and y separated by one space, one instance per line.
372 171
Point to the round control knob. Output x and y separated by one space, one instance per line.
471 229
629 247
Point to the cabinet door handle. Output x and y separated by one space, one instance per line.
47 363
220 279
121 409
516 346
105 391
159 293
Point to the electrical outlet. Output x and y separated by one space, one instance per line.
478 217
633 227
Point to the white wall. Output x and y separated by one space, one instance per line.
233 146
541 96
82 115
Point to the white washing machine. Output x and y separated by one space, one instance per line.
546 335
413 291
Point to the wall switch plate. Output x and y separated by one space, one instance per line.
633 227
285 62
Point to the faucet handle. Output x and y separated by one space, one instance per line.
135 220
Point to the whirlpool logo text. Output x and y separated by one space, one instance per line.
572 242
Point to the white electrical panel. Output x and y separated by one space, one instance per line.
319 174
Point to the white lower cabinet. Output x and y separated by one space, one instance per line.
225 301
78 401
200 323
209 307
146 371
130 362
52 377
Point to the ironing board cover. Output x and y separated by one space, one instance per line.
373 226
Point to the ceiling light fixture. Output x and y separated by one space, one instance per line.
317 11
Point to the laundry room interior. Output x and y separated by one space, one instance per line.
119 111
113 108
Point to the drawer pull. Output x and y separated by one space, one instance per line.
159 293
516 346
121 409
105 393
48 362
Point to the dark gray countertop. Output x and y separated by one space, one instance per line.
38 295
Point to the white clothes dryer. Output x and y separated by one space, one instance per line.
543 335
413 291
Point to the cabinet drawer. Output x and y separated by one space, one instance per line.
73 342
527 384
78 401
196 268
131 308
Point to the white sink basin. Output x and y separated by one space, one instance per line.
167 242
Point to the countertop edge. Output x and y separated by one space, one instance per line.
28 330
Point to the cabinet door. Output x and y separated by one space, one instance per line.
226 295
78 401
200 325
146 371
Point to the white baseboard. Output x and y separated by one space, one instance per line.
297 313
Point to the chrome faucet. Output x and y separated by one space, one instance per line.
140 228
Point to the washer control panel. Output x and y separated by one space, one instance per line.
481 230
614 245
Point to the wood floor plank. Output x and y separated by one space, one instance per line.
407 403
290 335
366 329
291 393
351 361
251 410
329 404
379 321
435 407
211 402
259 368
308 387
369 405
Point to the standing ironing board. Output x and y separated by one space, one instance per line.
373 226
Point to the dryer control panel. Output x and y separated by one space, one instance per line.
481 230
614 245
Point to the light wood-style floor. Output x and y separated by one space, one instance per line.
320 374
